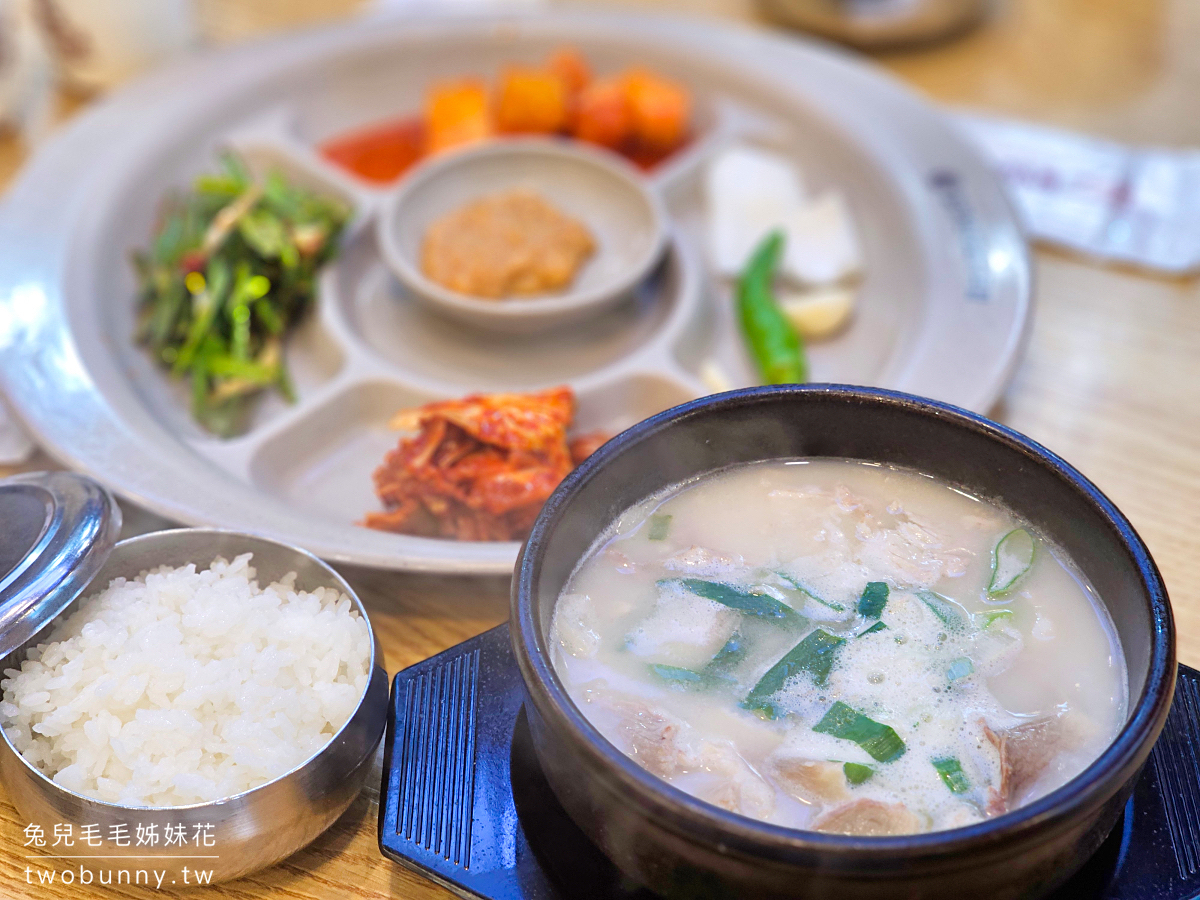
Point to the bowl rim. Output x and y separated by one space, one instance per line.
514 309
337 581
682 813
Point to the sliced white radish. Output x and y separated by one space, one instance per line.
822 246
748 192
818 313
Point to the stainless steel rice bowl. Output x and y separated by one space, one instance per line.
251 830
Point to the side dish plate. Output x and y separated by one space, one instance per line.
943 310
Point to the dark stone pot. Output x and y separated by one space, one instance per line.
679 845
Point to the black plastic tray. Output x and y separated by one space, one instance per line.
465 803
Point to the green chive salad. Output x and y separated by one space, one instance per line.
840 646
231 269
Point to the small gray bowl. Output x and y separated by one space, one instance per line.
596 187
251 830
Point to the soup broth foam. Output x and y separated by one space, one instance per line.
840 646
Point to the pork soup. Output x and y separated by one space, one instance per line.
841 647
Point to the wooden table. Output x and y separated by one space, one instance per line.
1111 379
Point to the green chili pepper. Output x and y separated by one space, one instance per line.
774 343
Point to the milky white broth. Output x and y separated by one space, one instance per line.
992 698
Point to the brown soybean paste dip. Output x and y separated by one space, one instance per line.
507 244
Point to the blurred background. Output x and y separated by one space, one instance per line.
1116 67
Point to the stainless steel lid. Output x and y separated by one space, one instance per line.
56 531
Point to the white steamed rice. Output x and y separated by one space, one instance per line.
183 686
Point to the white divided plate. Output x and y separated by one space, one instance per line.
943 309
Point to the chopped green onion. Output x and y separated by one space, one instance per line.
950 770
658 527
874 598
729 655
995 616
960 668
762 605
857 773
951 614
878 626
807 592
680 677
879 740
813 655
1011 560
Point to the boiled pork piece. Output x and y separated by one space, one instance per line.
652 736
811 780
869 818
1025 750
